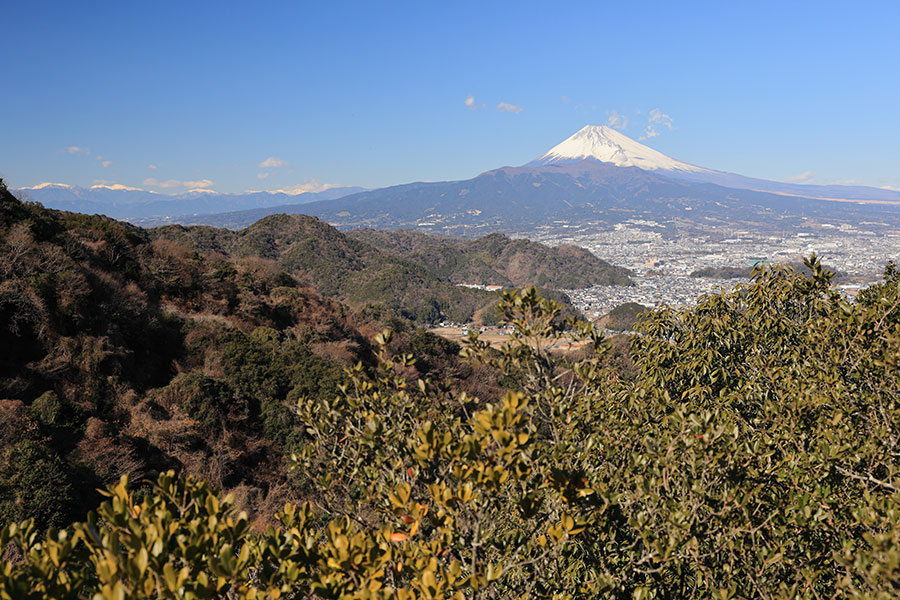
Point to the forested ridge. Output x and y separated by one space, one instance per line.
496 259
752 452
414 275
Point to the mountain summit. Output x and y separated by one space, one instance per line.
605 144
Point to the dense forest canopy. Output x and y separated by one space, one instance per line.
752 452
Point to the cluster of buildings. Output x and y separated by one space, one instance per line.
649 291
663 258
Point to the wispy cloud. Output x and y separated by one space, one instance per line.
109 185
200 184
174 183
311 185
616 121
168 183
506 107
471 104
656 121
262 176
804 176
152 167
106 164
273 162
77 150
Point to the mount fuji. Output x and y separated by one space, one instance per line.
606 145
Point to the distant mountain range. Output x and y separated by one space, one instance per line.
598 175
143 206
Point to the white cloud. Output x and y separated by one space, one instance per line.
106 164
262 176
506 107
311 185
273 162
655 122
109 185
470 102
616 121
77 150
657 116
152 167
804 176
200 184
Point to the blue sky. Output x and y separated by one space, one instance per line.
168 96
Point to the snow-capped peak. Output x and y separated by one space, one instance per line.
48 184
610 146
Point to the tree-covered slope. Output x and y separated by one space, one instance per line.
498 260
414 275
339 266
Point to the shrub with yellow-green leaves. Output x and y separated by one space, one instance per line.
754 454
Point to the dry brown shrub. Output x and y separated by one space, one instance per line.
169 431
343 352
18 244
14 421
27 312
108 455
259 269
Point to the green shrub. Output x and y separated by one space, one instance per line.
34 484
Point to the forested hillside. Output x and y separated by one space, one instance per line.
412 274
498 260
339 266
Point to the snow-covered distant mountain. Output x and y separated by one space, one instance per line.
605 144
140 206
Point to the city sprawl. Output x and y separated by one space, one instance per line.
663 258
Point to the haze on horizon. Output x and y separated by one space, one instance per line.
232 97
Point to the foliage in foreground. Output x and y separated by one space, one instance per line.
755 454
